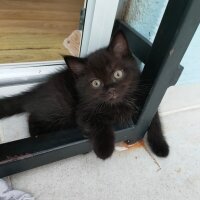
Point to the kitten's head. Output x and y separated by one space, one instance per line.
108 75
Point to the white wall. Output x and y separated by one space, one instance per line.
191 61
145 17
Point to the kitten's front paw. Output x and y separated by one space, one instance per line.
104 149
103 152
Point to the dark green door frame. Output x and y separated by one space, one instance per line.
162 69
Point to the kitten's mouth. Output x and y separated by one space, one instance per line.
114 98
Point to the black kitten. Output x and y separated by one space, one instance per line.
93 93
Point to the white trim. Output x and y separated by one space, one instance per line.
25 73
99 21
87 26
85 3
31 64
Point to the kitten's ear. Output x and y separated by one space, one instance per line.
119 45
75 64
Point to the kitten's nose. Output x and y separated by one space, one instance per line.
112 93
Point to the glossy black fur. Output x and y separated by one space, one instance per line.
68 99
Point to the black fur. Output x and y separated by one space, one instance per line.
70 99
156 138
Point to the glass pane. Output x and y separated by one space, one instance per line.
34 30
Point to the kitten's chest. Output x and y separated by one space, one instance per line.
121 114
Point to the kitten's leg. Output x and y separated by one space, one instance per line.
103 141
36 127
156 138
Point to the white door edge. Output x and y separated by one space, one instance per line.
99 21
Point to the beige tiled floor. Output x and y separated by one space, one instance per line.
132 174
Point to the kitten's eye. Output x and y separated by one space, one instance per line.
118 74
96 83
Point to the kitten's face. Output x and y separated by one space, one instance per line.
107 76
